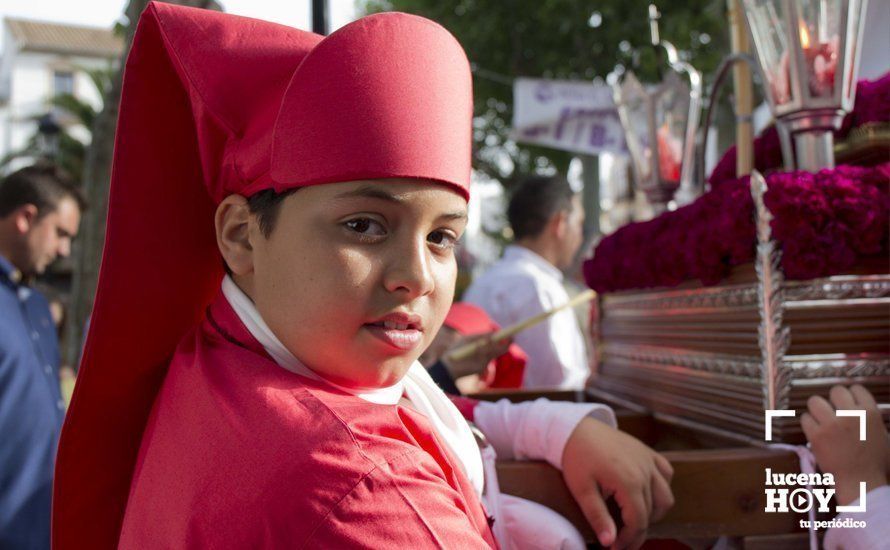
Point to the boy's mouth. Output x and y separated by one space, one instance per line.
401 331
392 325
399 320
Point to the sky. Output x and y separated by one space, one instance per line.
103 13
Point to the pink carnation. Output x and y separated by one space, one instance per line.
825 224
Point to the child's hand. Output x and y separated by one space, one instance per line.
601 462
835 441
475 363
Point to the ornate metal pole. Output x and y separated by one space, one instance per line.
774 337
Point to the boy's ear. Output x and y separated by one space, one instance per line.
232 222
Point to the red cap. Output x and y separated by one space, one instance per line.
201 95
469 319
387 96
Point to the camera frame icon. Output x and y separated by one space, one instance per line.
773 413
770 414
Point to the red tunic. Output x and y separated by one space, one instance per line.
240 453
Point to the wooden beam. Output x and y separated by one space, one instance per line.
717 492
744 90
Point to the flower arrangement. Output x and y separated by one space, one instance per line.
825 224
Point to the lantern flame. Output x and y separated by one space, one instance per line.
804 36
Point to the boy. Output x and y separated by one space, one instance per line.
293 411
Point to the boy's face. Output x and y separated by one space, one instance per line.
356 278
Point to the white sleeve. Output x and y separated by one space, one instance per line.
874 532
532 525
536 430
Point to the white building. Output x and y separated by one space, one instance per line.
39 60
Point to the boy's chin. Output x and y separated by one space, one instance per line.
381 374
391 371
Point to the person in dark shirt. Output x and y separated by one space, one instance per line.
39 216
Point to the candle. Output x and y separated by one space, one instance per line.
670 154
821 62
780 81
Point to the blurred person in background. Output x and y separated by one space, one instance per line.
40 211
547 219
58 309
494 364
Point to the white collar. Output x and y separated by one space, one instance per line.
247 312
517 252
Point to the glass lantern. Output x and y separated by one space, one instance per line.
808 51
655 121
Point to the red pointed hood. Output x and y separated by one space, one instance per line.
203 95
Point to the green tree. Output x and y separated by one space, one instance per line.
564 39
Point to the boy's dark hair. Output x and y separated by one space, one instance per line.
43 185
535 201
265 206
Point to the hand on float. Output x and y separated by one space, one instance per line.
836 445
601 462
485 348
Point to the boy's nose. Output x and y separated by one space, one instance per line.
410 270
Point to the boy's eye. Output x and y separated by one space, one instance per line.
366 226
442 239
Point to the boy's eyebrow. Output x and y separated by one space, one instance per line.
454 216
370 191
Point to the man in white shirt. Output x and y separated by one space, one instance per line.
547 218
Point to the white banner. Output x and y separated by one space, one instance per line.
572 116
